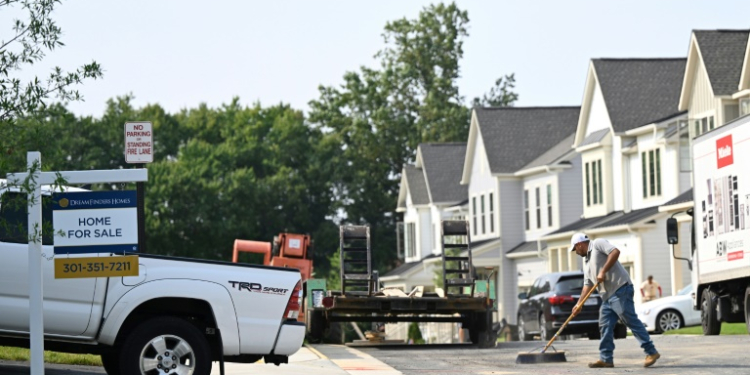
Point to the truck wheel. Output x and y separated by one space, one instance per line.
111 363
167 346
747 308
709 321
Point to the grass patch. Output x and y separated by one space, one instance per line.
726 329
20 354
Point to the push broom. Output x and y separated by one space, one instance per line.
544 357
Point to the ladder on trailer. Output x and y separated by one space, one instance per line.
459 241
356 260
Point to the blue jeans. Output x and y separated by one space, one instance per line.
620 305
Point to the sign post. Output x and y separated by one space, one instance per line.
139 141
37 178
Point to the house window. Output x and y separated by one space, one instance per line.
594 185
651 172
411 240
474 213
686 164
703 125
483 221
492 215
538 209
549 205
744 106
526 207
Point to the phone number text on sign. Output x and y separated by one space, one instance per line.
71 268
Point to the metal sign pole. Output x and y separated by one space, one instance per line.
36 318
141 199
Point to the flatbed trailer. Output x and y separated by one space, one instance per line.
359 301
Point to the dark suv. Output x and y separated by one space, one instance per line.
549 302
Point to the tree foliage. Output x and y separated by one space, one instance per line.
31 38
378 117
500 95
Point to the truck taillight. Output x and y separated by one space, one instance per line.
293 306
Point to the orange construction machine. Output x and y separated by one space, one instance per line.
287 250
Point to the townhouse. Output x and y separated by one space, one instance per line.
628 136
715 90
429 193
521 176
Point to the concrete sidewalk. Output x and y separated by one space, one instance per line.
315 360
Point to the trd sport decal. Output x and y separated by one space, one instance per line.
257 288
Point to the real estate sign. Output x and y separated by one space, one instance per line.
95 222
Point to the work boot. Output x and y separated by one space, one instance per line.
651 359
600 364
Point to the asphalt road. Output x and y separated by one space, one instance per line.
681 355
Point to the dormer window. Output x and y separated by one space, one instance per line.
651 173
594 190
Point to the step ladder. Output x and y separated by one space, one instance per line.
459 241
356 260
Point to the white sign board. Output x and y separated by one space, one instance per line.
139 142
95 222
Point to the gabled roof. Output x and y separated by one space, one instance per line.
639 92
594 137
515 136
416 185
443 164
586 223
525 247
723 53
555 154
631 217
685 197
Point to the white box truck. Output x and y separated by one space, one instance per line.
721 225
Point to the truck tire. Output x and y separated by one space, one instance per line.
165 343
709 321
747 308
111 363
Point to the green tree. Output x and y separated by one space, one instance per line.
30 39
378 117
242 173
500 95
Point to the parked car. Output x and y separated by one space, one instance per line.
549 303
670 313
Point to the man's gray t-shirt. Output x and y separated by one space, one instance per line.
599 250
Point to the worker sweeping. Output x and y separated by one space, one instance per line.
616 290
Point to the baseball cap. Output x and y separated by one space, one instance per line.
578 237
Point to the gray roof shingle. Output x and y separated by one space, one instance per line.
417 186
631 217
594 137
515 136
723 53
685 197
553 154
443 164
639 92
526 247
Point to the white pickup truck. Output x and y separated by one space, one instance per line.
176 317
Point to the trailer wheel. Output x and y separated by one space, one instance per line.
480 330
314 325
709 321
747 308
168 345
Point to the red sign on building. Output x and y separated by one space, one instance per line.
724 152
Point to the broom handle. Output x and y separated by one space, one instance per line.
569 318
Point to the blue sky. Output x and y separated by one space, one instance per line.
182 53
